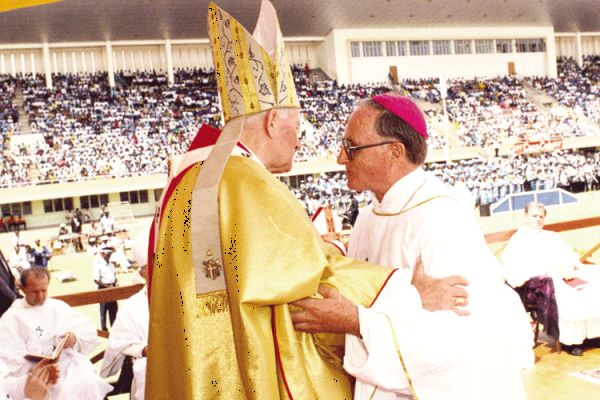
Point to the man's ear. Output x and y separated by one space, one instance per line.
398 151
271 121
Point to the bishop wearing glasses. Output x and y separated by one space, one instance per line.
395 348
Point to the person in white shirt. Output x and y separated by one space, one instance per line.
535 252
104 275
396 349
129 334
35 324
107 223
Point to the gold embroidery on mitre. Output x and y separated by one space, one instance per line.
249 79
212 267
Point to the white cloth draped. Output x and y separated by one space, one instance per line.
36 329
532 253
128 337
447 356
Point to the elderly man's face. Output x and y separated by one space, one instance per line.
36 291
535 218
286 142
366 167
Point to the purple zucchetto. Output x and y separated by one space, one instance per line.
405 109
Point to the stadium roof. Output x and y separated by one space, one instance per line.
99 20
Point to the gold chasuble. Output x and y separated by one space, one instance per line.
239 343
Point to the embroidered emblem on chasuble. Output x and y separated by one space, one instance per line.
212 266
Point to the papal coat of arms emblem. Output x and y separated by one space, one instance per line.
212 267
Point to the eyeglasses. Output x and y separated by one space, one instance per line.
349 149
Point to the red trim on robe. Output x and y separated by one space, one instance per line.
240 144
206 136
382 286
278 355
342 252
316 214
150 258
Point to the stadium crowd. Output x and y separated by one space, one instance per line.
85 124
576 87
487 180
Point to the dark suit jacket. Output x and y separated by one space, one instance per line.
8 292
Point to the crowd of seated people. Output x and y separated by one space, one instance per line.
141 121
92 131
9 114
326 106
487 180
488 112
575 87
498 111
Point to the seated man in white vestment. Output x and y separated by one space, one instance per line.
535 252
129 334
35 325
33 386
396 348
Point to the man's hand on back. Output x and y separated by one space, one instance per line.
441 294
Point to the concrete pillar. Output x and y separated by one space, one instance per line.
110 64
578 49
551 70
169 57
47 68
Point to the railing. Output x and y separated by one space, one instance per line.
100 296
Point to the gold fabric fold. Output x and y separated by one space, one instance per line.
200 348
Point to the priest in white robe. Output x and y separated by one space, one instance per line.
395 348
129 334
35 324
533 251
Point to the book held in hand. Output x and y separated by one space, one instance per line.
51 357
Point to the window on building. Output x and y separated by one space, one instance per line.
16 209
56 205
419 48
135 196
391 49
462 47
157 194
484 46
372 49
93 200
441 47
402 48
48 206
530 45
504 46
355 48
26 208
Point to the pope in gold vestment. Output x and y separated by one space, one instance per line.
220 325
240 343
